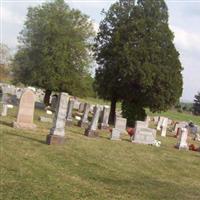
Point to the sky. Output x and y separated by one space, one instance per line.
184 21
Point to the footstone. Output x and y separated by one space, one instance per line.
84 119
69 120
91 131
26 110
105 116
45 119
57 132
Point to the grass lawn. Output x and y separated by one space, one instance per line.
92 169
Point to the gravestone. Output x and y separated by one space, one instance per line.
4 110
182 139
81 107
120 127
26 110
160 121
91 131
84 119
148 119
57 132
155 120
145 136
179 125
104 118
69 112
54 101
45 119
4 101
164 127
76 104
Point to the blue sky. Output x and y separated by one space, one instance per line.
184 20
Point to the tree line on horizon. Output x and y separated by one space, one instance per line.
138 63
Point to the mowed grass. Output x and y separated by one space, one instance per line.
92 169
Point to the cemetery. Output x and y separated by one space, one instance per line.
89 161
99 100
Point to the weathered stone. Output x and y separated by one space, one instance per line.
182 139
155 120
45 119
180 125
54 101
57 132
104 118
160 121
81 107
164 127
76 104
84 120
26 110
143 134
69 120
91 131
120 127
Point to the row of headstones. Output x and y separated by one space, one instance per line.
181 131
63 115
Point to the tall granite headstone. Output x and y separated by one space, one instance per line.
84 119
26 110
57 132
182 139
105 116
164 127
69 112
91 131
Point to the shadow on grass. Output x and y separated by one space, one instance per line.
27 137
10 124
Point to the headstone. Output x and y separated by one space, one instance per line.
164 127
148 119
54 101
120 127
145 136
69 112
182 139
4 101
105 116
57 132
155 120
84 120
76 104
81 107
91 131
160 121
26 110
180 125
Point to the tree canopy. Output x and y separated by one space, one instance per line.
196 104
54 51
137 59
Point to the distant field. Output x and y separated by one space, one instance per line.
92 169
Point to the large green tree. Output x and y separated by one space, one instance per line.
196 104
54 50
145 62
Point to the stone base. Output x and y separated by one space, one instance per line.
24 125
103 126
55 139
91 133
83 124
69 123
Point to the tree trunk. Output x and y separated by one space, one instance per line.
47 97
112 111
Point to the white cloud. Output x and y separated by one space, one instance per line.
8 16
185 39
